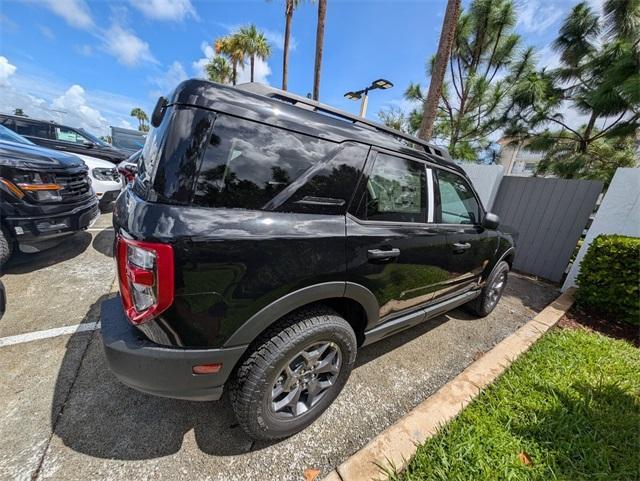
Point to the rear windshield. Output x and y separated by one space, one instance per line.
247 163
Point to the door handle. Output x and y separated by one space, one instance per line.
381 255
461 246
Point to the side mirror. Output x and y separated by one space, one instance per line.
490 221
88 144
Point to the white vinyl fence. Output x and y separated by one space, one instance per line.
619 213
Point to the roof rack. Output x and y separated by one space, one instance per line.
314 105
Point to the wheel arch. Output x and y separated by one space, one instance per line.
355 303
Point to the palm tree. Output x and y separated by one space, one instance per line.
231 46
219 70
322 13
140 114
254 44
289 7
439 68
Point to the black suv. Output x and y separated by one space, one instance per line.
60 137
44 195
267 237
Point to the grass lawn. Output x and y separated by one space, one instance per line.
569 409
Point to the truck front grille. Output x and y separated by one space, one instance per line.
75 187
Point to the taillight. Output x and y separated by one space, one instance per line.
145 273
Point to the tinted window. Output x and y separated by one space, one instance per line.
68 135
33 129
396 190
457 202
247 163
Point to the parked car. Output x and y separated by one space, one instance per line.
129 168
267 237
46 195
61 137
128 141
105 180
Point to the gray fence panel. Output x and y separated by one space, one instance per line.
548 216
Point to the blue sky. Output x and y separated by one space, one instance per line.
88 63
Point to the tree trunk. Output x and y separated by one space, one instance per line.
287 34
584 143
234 72
253 63
447 34
322 12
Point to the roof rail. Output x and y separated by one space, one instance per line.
293 99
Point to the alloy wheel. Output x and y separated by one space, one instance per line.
305 379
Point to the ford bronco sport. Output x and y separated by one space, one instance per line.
267 237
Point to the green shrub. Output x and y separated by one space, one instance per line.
609 279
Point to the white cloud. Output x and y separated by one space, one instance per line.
126 47
172 10
126 124
169 80
198 66
277 40
534 17
72 105
261 72
547 57
75 12
42 96
6 71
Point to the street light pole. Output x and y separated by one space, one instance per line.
363 104
364 93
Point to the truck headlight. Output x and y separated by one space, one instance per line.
110 174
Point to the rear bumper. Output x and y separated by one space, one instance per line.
161 371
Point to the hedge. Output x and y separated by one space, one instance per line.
609 278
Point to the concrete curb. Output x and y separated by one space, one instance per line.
394 447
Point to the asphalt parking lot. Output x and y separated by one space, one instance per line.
64 416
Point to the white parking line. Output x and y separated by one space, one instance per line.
94 229
47 333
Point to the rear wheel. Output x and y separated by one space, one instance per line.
293 374
492 291
6 246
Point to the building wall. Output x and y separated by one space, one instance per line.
619 213
517 160
486 180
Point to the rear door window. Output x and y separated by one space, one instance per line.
396 190
69 135
247 163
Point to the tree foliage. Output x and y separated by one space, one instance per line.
138 113
486 61
219 70
598 77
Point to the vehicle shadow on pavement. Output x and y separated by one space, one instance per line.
103 242
99 416
68 248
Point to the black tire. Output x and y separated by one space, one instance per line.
489 298
6 246
261 373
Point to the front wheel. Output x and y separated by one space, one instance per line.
492 291
293 374
6 246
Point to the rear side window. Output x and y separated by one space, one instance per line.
247 164
396 190
457 201
32 129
